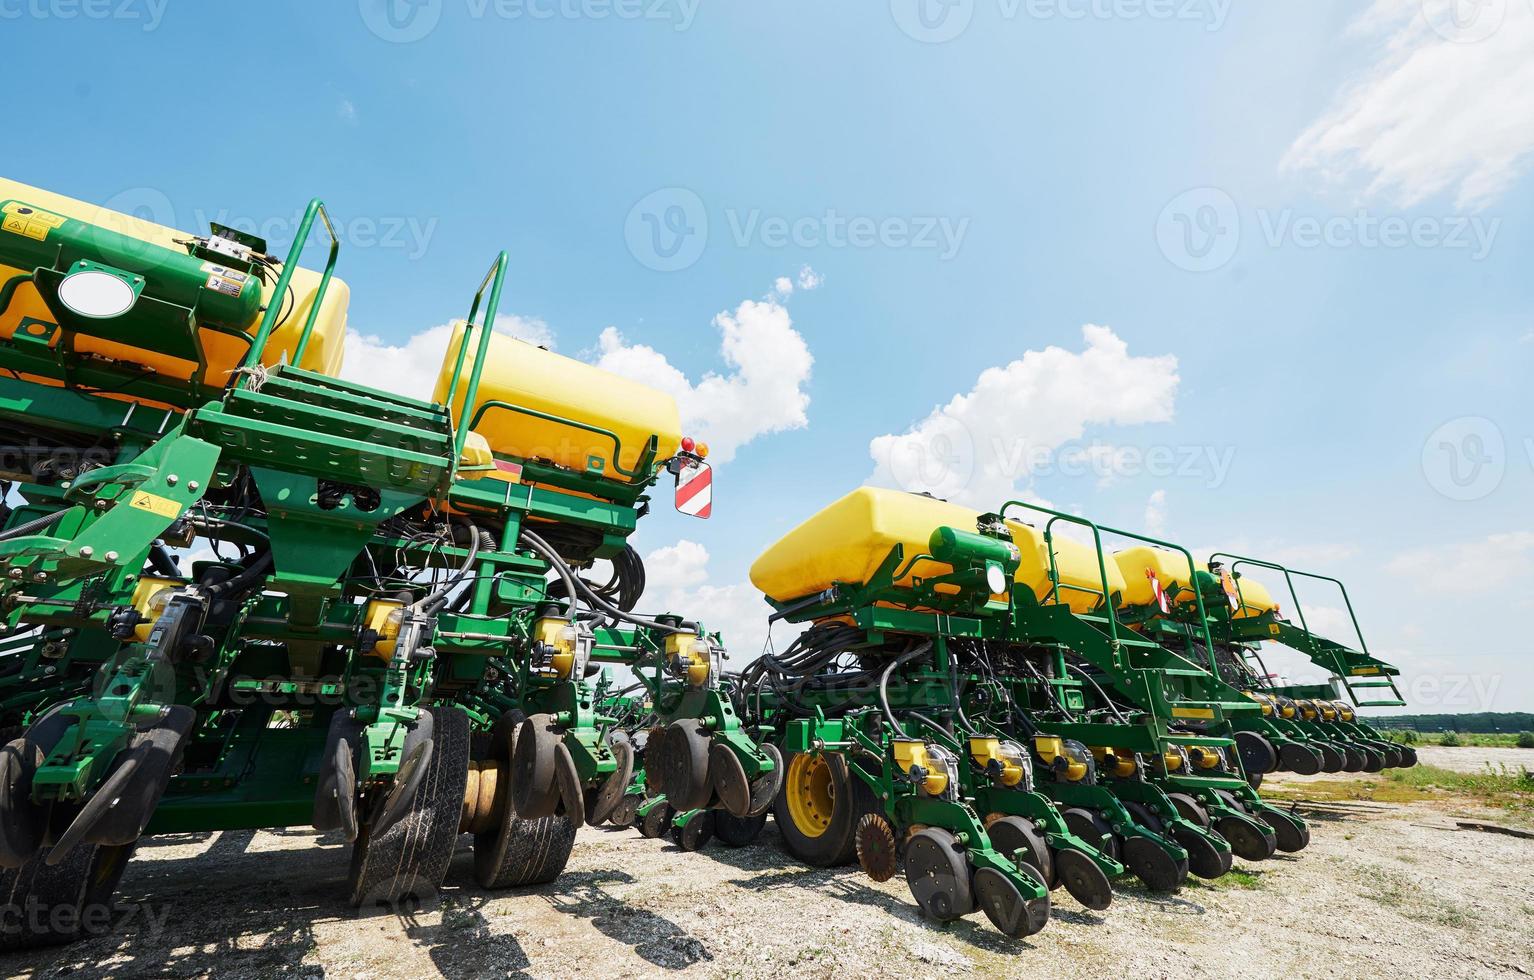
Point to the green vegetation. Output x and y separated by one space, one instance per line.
1498 740
1483 722
1235 878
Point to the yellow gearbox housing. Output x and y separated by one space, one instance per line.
588 420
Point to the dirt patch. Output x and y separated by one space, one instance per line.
1474 758
1384 888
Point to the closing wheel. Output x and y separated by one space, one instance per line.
1408 757
1152 865
1005 906
729 779
877 854
534 779
160 747
938 876
697 832
1085 881
764 788
1011 835
817 809
1190 809
1300 758
627 810
737 831
1353 759
681 772
1332 759
1249 841
335 790
1257 753
1374 758
1204 859
410 858
572 799
1092 828
606 799
657 822
1292 835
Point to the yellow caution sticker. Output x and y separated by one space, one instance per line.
1207 713
1363 671
160 506
1272 629
23 219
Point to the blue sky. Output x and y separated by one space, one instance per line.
1301 232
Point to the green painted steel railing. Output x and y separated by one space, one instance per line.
269 323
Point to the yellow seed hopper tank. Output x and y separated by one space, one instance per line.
847 541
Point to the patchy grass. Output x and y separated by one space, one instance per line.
1497 740
1411 898
1367 789
1499 787
1234 878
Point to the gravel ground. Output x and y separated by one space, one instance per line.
1469 758
1383 889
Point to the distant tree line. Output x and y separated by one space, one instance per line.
1482 722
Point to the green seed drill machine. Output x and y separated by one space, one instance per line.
237 591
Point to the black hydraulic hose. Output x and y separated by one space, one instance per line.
1100 692
438 596
958 705
884 700
549 555
22 530
575 582
242 581
160 561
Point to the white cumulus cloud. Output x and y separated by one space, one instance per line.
677 580
981 447
1155 514
1447 104
763 392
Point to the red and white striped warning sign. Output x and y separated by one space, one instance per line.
1157 590
695 490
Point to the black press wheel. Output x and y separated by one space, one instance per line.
938 875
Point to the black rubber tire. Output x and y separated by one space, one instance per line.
536 853
1092 828
1332 759
23 824
1408 757
1374 759
1012 834
1302 758
50 905
410 859
738 831
939 878
838 844
1353 758
624 814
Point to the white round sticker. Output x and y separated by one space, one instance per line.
96 294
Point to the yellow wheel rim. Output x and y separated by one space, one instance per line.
811 794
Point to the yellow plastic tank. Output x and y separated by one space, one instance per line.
527 376
1081 582
1254 597
1170 568
847 541
224 353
